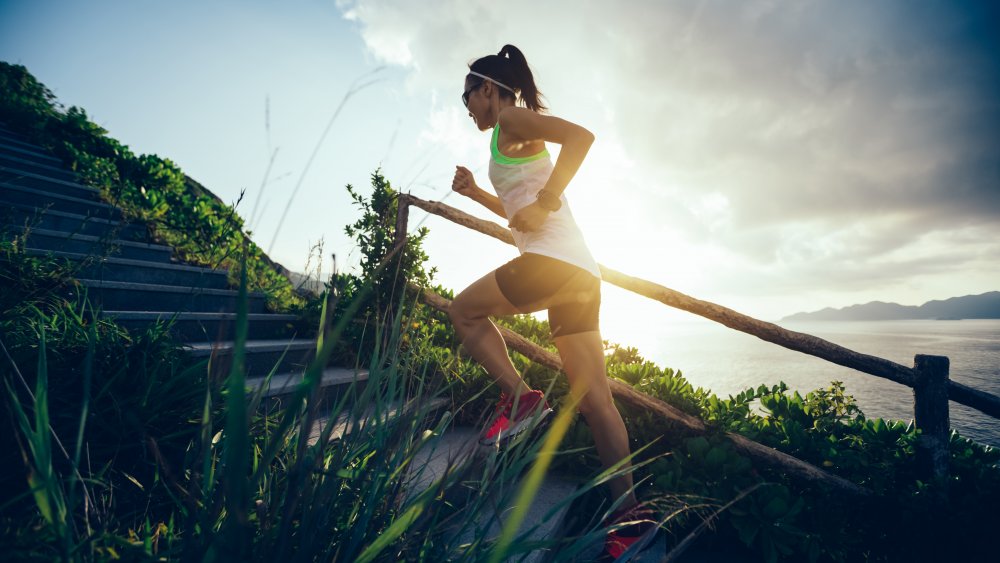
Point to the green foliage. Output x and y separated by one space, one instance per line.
826 428
387 269
202 229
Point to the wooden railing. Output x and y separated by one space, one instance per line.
932 388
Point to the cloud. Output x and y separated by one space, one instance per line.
791 135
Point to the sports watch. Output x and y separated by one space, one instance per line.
548 201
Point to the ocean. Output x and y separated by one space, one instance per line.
726 361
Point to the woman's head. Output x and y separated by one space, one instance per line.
509 79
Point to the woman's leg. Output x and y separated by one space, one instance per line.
582 357
469 314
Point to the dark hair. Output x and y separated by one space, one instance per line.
511 68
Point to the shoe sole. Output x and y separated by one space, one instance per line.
520 427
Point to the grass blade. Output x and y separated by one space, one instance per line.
236 446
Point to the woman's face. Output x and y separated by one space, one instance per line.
478 102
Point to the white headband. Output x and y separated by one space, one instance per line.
493 80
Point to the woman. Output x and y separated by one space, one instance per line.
555 269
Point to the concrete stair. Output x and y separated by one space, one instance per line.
208 327
52 220
136 282
140 271
548 513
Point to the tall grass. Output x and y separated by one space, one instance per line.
330 479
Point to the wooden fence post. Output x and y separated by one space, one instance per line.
930 411
402 217
396 262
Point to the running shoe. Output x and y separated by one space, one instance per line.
642 530
531 409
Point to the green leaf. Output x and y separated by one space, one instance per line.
395 530
716 456
747 530
775 508
697 446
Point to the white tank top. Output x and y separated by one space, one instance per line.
517 181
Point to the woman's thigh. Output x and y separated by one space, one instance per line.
532 282
483 298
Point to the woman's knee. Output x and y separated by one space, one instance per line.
596 403
457 311
463 310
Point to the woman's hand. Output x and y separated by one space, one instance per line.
464 183
530 218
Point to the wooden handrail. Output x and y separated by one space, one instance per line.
685 422
770 332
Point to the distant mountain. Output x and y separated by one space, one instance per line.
985 306
305 282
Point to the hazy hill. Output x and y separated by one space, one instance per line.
985 306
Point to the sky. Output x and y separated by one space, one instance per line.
771 157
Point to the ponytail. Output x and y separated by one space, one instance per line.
511 68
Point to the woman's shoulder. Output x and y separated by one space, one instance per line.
515 117
516 112
523 124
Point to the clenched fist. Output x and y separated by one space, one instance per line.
464 183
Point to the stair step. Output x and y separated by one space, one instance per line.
141 271
13 194
29 154
15 160
52 220
334 382
45 239
9 137
261 356
345 424
14 176
132 296
286 383
207 327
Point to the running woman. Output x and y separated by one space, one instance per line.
555 269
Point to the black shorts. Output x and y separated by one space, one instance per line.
530 280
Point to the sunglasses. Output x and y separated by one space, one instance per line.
465 95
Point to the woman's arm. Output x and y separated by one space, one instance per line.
527 125
575 141
465 184
490 201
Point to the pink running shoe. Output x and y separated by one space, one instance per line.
531 409
642 530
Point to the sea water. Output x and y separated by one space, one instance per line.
726 361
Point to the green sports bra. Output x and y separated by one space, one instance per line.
504 159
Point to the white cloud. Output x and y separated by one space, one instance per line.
781 135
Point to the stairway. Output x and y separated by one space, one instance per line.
137 282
